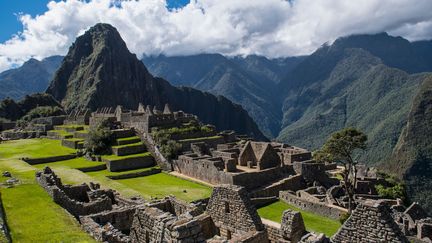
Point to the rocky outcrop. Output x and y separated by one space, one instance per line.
99 71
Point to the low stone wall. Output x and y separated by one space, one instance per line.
198 134
129 149
93 168
256 179
211 142
14 135
130 163
292 183
73 144
4 231
136 174
333 212
51 120
263 201
49 159
67 197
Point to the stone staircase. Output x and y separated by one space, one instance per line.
129 153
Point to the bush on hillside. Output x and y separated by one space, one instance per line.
100 138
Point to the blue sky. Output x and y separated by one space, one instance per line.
10 24
272 28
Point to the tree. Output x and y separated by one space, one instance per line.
99 138
322 156
341 146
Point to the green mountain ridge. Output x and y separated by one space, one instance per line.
99 71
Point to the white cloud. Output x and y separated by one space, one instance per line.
272 28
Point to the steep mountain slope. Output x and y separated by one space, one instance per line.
249 81
339 86
33 76
412 157
99 71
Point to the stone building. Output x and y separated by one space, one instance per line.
371 221
259 154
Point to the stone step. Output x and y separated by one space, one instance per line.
73 143
128 140
123 133
116 164
129 149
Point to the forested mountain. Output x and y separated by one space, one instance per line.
99 71
249 81
33 76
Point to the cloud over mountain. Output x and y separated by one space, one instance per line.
272 28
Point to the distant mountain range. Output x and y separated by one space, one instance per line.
249 81
377 83
33 76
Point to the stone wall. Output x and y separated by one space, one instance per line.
256 179
371 221
129 163
233 212
129 149
4 231
151 171
109 226
49 159
212 142
209 170
151 224
292 183
72 198
325 210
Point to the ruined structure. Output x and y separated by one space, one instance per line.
371 221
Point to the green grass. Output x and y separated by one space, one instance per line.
127 145
313 222
109 173
32 216
115 157
32 148
162 184
75 139
199 139
85 127
72 163
62 133
128 138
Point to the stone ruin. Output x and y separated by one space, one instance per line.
78 117
228 216
81 199
413 221
371 221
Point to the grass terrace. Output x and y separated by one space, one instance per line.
313 222
33 148
114 157
76 163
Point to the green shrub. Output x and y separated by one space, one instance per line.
392 192
100 138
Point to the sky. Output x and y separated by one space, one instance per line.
273 28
